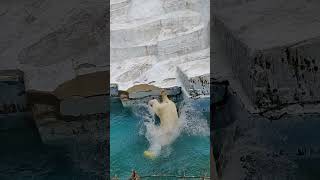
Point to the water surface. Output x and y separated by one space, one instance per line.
188 154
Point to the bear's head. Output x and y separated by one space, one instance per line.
163 92
164 95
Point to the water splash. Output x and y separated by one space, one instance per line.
193 121
190 122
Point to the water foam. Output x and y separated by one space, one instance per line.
191 122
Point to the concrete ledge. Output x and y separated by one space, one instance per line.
143 93
87 85
195 76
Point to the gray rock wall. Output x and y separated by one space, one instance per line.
266 120
249 146
273 73
61 48
53 42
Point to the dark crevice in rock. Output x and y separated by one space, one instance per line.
216 87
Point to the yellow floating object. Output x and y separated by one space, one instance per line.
149 154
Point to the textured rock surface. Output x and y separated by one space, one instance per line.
61 48
149 40
265 72
53 43
274 69
84 138
195 77
250 146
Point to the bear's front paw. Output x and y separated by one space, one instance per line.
150 103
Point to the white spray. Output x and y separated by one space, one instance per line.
191 122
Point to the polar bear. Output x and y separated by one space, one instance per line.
169 122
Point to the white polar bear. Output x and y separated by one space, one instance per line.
169 122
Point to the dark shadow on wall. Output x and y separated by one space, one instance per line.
37 142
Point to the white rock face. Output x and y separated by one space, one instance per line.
140 9
150 39
195 76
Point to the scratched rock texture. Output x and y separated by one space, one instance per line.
276 61
157 42
265 74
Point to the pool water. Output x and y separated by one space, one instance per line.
25 157
188 154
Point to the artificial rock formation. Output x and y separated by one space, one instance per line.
264 78
275 69
157 42
61 49
60 53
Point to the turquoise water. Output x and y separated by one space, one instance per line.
188 154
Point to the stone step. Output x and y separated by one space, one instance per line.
184 43
167 47
149 70
143 93
121 54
